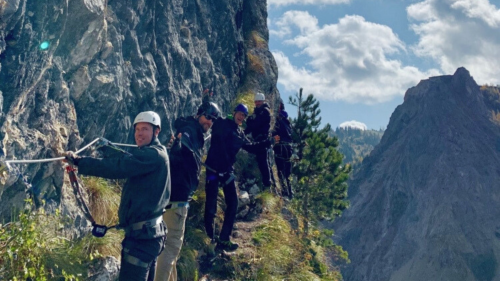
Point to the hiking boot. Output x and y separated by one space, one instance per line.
227 246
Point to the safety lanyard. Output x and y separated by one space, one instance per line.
97 229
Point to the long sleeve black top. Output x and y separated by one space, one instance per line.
227 140
185 158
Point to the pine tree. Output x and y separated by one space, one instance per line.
321 188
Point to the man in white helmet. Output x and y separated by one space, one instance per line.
144 196
259 125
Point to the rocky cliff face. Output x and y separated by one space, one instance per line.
72 71
424 205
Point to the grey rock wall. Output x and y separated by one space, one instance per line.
106 62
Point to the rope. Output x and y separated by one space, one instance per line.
87 146
97 230
49 159
133 145
33 161
123 144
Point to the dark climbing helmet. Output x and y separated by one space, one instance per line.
242 108
210 110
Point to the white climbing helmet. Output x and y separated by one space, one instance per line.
149 117
259 97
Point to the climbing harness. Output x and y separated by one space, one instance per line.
97 230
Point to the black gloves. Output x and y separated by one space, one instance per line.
71 158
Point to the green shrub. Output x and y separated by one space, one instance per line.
32 247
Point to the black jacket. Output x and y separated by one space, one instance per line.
185 158
147 189
283 128
227 140
259 123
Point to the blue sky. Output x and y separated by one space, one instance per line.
358 57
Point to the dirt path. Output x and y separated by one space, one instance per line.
242 234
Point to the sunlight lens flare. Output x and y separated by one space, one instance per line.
44 46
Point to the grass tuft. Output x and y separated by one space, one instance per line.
257 41
187 265
268 201
255 63
104 201
246 98
93 247
280 253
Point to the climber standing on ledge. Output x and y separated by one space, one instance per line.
258 126
227 139
185 167
144 196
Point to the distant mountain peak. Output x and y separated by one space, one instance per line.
353 124
461 80
424 203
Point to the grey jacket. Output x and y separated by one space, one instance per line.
147 189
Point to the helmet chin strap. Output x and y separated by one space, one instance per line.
155 136
153 139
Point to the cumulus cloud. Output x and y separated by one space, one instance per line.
458 33
300 20
354 125
305 2
349 61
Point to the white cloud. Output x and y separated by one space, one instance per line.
458 33
354 125
348 61
479 9
305 2
303 21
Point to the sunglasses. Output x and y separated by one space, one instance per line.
210 117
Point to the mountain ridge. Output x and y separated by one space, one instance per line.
410 215
355 144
